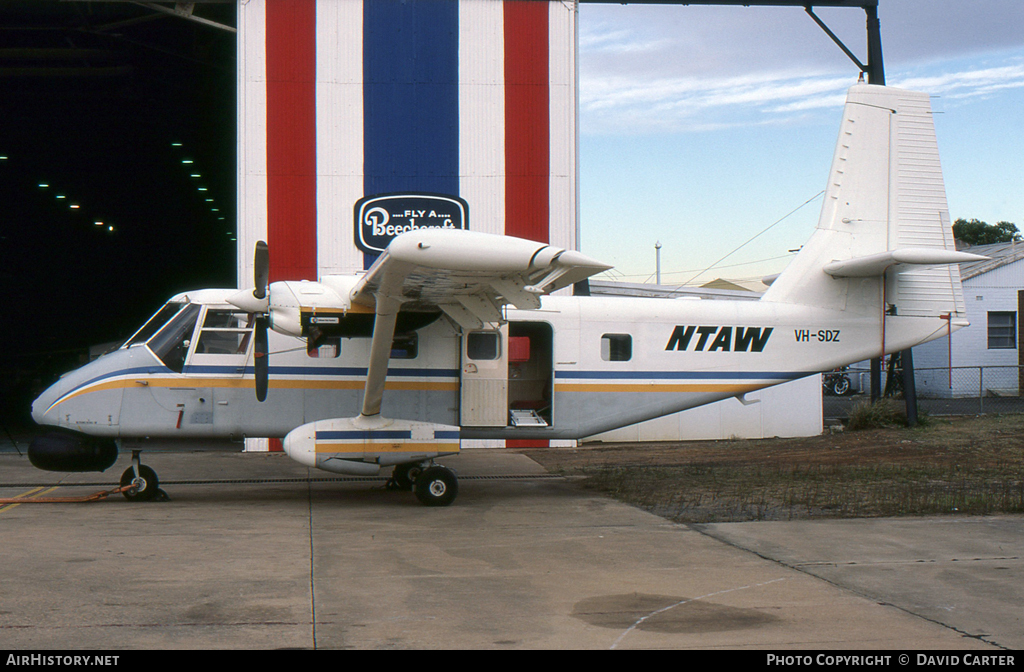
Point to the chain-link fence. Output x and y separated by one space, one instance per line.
958 390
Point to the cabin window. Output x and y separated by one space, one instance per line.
171 343
616 347
225 332
404 346
1002 330
483 345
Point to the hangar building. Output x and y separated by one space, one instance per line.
473 102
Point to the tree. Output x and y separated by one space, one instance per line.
977 232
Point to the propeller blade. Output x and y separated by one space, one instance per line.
261 266
260 358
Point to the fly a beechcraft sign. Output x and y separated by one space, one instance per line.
382 217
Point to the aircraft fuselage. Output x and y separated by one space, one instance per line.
575 367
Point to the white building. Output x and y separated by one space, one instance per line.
983 358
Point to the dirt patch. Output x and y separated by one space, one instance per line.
963 465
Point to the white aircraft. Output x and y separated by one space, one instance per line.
450 335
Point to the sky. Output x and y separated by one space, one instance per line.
708 129
699 128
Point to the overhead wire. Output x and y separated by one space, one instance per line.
755 236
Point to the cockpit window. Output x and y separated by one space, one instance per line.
154 323
171 343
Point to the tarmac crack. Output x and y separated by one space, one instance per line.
312 582
856 563
804 568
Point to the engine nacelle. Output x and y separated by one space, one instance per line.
71 451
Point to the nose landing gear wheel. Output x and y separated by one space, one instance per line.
146 485
436 486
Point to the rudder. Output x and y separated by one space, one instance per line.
884 215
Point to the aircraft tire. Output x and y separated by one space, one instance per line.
436 486
148 488
841 387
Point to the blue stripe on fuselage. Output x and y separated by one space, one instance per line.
362 435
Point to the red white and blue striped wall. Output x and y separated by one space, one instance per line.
341 99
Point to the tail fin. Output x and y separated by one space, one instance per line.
884 219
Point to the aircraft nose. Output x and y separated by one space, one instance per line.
40 405
43 403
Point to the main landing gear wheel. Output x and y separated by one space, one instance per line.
403 476
436 486
147 485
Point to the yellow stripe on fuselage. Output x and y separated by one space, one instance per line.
357 308
247 383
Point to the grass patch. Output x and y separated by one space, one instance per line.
969 466
883 413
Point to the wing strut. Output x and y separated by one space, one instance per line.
388 303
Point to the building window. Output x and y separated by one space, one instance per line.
616 347
1002 330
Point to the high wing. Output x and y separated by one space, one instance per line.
469 275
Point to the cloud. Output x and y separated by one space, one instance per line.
619 105
658 69
968 83
645 104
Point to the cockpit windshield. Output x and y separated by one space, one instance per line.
154 323
171 343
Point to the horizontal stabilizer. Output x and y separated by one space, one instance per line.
876 264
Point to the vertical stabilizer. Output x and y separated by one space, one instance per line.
884 232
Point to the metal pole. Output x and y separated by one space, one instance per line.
875 69
657 262
981 389
909 387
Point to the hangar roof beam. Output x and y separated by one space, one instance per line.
874 69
